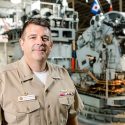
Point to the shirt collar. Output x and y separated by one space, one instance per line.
27 74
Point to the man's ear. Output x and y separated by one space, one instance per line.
51 44
21 43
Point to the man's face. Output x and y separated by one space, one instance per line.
36 43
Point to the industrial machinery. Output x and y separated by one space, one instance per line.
101 59
64 24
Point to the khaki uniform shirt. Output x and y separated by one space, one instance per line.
25 101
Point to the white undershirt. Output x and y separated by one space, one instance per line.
42 76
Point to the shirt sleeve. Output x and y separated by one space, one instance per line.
0 104
77 106
1 91
2 119
0 116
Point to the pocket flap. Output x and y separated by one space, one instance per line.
66 100
28 107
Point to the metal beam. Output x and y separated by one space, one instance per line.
120 5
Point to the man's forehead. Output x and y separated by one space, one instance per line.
37 29
35 26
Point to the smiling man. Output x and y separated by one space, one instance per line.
34 91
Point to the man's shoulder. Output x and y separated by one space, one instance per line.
56 67
57 70
8 67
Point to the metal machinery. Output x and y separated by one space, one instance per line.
64 23
101 80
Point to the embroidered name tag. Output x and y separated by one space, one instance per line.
66 92
26 98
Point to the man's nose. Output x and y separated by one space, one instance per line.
40 41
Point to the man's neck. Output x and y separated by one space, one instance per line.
37 66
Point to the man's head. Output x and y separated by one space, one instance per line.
36 41
36 21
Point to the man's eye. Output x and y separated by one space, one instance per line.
32 37
45 39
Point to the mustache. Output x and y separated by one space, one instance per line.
38 47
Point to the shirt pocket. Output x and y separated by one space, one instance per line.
65 103
21 112
29 110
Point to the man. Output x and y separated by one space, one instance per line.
34 91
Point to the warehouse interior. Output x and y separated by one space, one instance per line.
94 47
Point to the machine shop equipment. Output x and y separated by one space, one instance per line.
64 25
101 59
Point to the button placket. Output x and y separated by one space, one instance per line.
28 109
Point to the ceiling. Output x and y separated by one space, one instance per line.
81 6
84 8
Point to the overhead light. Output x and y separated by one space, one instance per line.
15 1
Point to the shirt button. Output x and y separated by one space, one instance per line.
47 91
21 98
48 106
28 109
